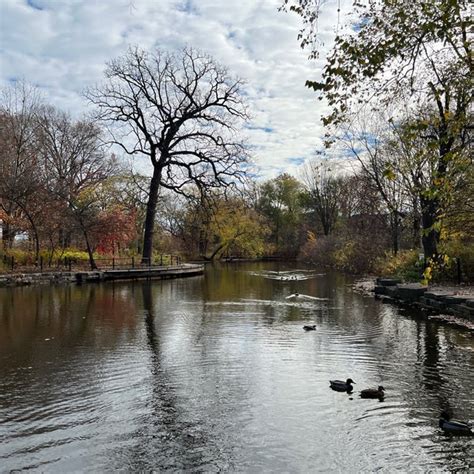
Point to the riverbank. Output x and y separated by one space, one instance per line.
51 278
454 303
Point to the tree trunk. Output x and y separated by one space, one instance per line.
35 237
37 244
416 224
89 251
150 216
395 224
430 235
325 222
5 235
216 251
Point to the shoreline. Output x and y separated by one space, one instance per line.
449 303
9 280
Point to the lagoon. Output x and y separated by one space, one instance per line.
216 373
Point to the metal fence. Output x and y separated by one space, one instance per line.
10 264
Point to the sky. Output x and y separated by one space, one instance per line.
61 46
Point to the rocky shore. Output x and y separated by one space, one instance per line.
445 300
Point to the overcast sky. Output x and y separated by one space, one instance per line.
61 46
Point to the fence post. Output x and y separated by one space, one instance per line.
41 263
458 265
113 263
149 261
161 260
13 262
70 263
133 262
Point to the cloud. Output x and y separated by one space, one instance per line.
62 47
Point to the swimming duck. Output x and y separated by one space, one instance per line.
453 426
373 393
310 328
341 386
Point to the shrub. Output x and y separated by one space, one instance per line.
456 249
354 255
405 265
21 257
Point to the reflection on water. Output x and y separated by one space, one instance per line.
216 373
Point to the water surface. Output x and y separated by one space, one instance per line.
215 373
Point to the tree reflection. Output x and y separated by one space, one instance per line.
168 437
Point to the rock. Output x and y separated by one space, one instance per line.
463 311
455 299
470 303
410 291
388 281
437 295
391 291
433 303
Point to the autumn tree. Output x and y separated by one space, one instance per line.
280 201
74 166
394 49
119 212
433 185
236 229
181 111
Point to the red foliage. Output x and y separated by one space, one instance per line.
115 230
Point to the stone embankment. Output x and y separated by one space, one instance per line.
46 278
177 271
440 301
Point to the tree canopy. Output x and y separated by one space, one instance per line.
417 52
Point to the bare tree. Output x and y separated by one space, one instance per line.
179 110
324 189
74 165
18 171
367 139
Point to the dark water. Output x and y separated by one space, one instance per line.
215 373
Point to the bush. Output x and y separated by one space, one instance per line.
319 251
405 265
354 255
456 249
21 257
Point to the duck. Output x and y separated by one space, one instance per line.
373 392
453 426
341 386
311 327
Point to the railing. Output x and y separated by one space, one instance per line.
137 262
10 264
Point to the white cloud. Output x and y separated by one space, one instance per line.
62 46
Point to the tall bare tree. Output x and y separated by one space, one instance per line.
179 110
324 188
